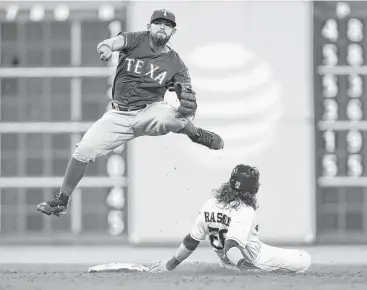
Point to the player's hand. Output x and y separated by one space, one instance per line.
225 263
105 53
159 267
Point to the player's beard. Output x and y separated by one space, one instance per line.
159 39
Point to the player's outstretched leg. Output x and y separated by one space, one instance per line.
58 205
161 118
104 136
202 136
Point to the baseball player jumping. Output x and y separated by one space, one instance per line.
228 220
147 68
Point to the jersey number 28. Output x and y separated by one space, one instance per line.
217 237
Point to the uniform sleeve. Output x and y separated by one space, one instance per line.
132 39
182 76
198 231
241 224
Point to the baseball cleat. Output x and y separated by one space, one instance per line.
56 206
208 139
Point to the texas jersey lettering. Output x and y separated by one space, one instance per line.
142 75
147 68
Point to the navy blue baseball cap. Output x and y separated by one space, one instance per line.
163 14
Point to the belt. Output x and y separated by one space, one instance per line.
122 108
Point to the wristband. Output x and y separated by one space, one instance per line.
172 264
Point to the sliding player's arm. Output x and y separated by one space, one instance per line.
186 248
237 235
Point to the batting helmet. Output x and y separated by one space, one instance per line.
245 178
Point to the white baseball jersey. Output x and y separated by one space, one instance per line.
218 223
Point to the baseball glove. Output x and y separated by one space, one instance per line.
187 98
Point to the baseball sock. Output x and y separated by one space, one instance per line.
74 173
189 129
